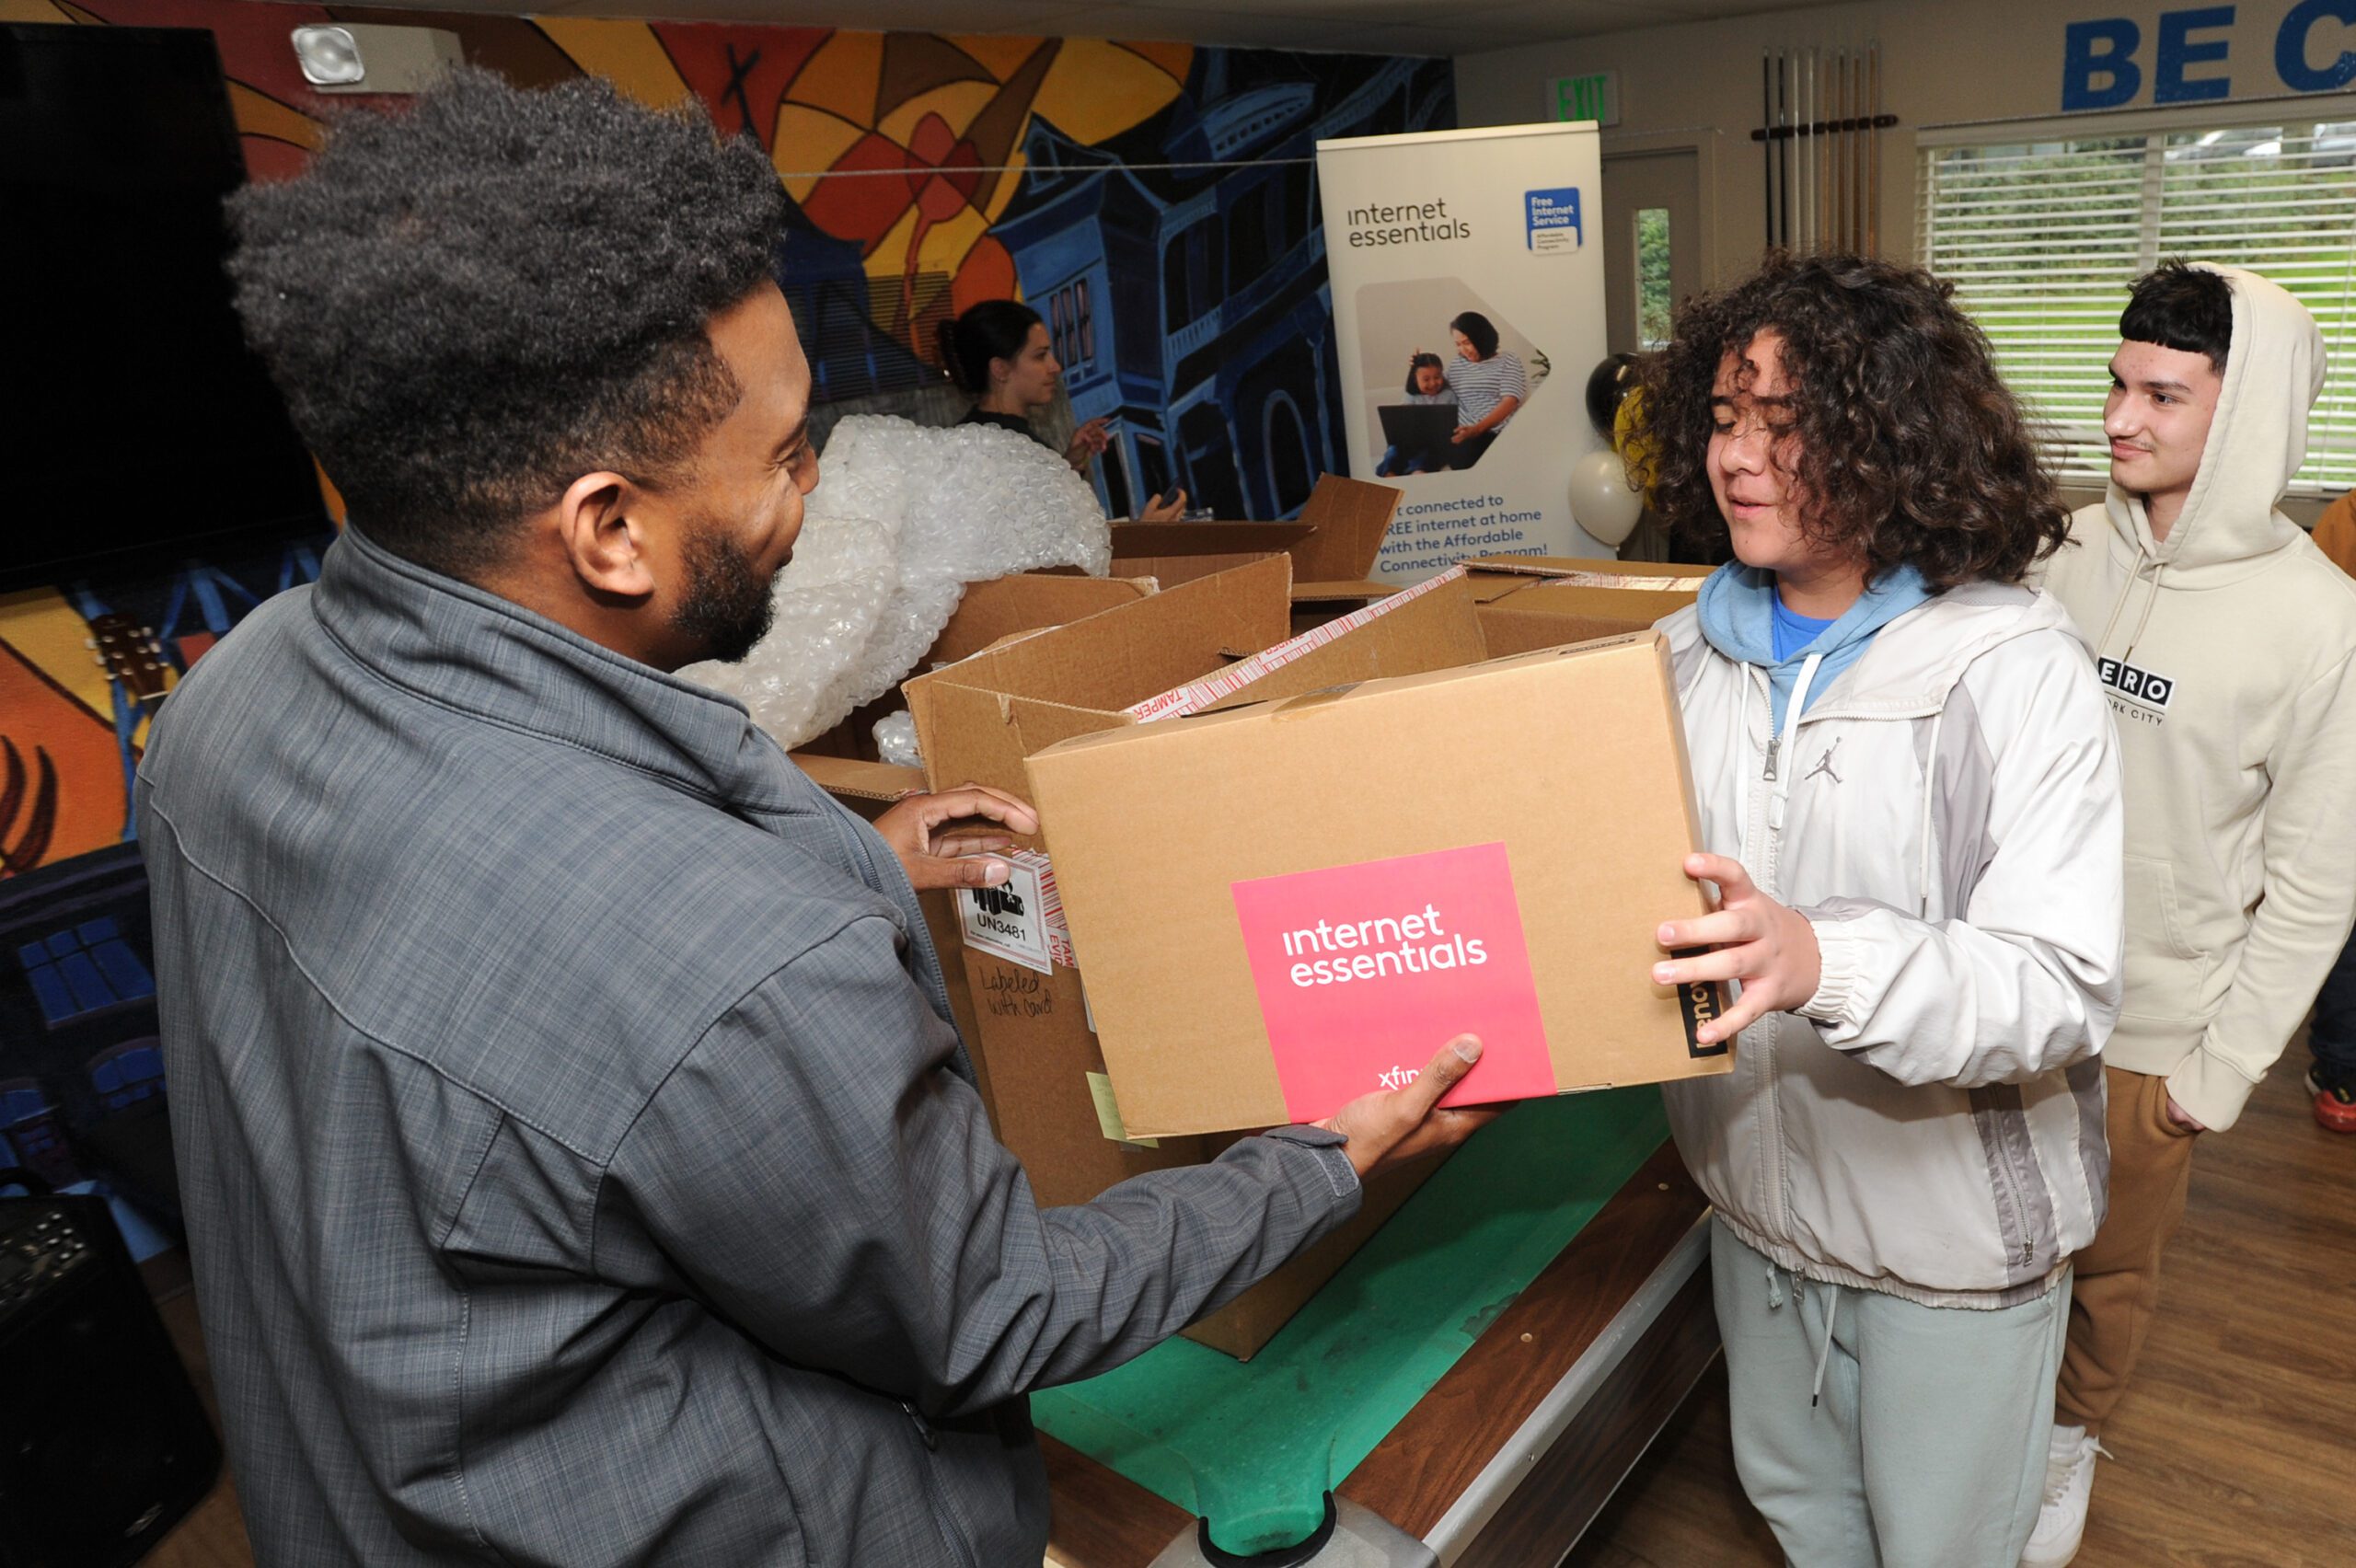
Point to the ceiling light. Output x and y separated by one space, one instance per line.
330 56
358 57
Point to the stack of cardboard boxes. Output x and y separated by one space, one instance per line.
1331 549
1281 869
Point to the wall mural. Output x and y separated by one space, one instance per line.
1154 201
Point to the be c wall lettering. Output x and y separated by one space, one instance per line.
2103 64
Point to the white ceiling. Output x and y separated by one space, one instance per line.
1369 27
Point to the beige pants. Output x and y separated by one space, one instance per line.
2118 1275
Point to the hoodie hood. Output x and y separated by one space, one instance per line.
1737 610
2274 371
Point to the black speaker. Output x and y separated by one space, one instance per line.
103 1445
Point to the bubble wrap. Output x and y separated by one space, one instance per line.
903 518
895 739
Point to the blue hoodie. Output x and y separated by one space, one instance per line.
1738 611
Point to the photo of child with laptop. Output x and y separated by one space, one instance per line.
1420 443
1468 372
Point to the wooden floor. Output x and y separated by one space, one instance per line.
2237 1444
2236 1447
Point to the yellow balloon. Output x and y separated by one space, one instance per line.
1634 443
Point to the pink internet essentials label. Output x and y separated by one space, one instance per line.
1364 970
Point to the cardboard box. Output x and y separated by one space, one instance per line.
842 762
1281 905
1026 601
870 789
1172 553
1034 1045
1532 602
1333 547
987 613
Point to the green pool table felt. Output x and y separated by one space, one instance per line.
1254 1446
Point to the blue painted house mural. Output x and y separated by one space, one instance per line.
1182 271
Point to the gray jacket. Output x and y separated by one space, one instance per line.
580 1163
1930 1124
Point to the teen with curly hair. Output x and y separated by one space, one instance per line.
1909 793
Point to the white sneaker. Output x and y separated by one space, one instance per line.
2069 1479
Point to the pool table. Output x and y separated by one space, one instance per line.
1468 1389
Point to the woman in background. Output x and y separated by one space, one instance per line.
999 354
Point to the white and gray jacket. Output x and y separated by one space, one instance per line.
1946 814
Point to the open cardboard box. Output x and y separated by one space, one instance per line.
1521 603
1328 886
988 612
842 762
1532 602
1331 549
1333 545
1034 1049
1203 647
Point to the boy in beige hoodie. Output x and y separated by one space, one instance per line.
2224 640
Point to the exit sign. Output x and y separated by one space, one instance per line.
1595 97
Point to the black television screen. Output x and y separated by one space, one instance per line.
137 428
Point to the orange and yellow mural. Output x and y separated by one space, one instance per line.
1155 202
927 129
1153 199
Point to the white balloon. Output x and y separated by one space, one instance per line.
1602 501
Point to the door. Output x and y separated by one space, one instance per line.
1652 244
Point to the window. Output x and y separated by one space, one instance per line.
83 969
1177 295
848 332
1072 325
35 1135
2042 231
1153 470
1653 299
125 1074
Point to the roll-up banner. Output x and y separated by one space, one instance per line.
1467 271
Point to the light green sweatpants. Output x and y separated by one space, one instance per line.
1926 1449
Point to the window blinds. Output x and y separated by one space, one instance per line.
2041 237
